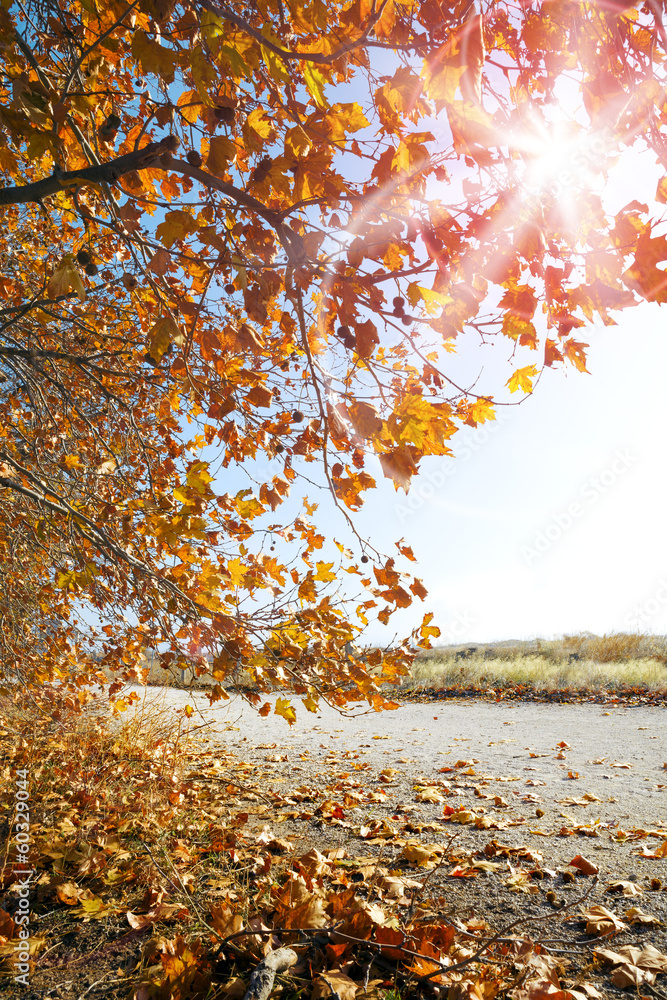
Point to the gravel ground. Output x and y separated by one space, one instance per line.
564 773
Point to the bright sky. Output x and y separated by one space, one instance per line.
554 520
550 520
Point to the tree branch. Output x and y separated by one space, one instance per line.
320 58
261 981
290 240
105 173
209 181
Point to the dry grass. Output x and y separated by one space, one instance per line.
97 752
581 662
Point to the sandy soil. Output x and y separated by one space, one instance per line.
522 741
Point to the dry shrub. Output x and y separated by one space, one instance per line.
90 756
617 647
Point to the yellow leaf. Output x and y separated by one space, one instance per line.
315 80
275 66
284 709
433 301
204 73
221 153
521 379
190 104
161 336
154 58
198 477
236 571
213 29
324 573
260 123
482 410
176 226
66 279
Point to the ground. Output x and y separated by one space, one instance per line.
392 839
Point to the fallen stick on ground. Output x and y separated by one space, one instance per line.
261 981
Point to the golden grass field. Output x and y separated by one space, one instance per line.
579 662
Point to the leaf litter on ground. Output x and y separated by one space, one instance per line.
164 870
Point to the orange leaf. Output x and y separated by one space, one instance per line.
584 865
366 338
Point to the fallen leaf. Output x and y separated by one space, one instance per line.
584 865
637 916
625 888
600 920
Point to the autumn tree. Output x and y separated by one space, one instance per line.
251 237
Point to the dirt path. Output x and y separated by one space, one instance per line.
517 741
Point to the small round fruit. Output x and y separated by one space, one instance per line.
656 883
280 448
129 282
225 115
364 559
297 416
84 257
193 158
407 320
568 876
91 270
539 813
398 302
551 896
343 331
337 470
229 288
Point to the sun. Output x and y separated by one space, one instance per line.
563 158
